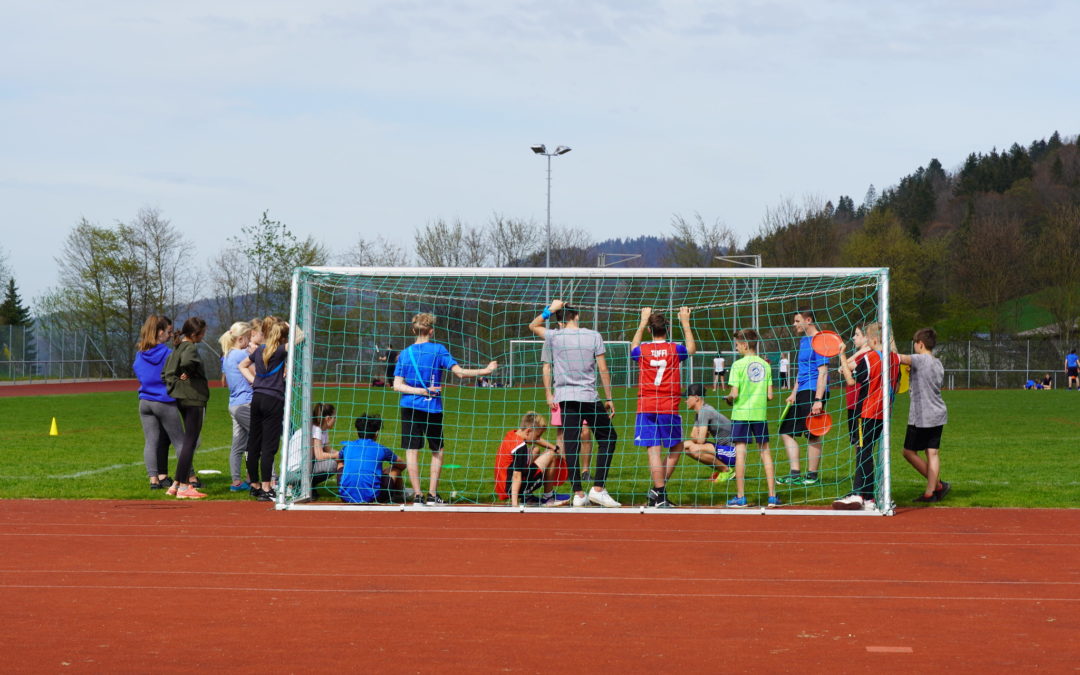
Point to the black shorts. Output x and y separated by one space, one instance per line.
418 426
867 432
1073 371
921 438
531 481
794 424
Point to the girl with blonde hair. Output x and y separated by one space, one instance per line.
234 343
264 368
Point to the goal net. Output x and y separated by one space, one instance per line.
356 324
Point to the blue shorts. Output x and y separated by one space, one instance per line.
750 432
655 429
726 454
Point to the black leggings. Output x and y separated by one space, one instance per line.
264 436
185 456
574 413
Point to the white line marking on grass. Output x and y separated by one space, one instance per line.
558 577
488 591
104 469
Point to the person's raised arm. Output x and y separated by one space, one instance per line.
688 335
605 379
845 366
537 324
646 312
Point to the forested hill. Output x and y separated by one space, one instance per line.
960 243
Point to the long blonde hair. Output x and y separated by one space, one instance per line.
153 325
276 336
230 337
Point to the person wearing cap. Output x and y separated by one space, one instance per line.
710 439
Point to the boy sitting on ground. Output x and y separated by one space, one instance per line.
521 469
362 479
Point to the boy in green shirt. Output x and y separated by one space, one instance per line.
751 390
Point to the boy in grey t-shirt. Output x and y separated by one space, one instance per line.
710 439
927 414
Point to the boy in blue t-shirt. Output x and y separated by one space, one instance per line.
807 398
362 480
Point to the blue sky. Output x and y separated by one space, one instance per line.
350 119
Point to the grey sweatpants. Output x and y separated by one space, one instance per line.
161 425
241 424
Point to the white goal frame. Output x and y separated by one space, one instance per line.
302 355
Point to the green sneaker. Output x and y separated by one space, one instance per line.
790 479
807 480
728 475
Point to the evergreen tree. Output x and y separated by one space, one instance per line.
12 311
17 345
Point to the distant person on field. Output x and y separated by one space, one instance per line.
521 468
1047 382
785 368
158 413
418 377
864 373
371 472
751 391
1072 370
234 349
185 376
807 398
718 372
710 438
927 414
573 357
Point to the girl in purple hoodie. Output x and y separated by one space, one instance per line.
157 410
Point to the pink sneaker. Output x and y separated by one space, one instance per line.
188 492
172 490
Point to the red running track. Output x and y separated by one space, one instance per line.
174 586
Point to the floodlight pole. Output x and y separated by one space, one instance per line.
542 150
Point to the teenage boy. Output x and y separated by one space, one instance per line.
573 356
658 423
710 439
927 415
524 468
864 373
751 390
718 373
362 479
807 398
1072 370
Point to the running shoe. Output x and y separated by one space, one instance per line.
724 476
773 502
849 503
580 501
435 500
790 479
189 492
809 480
240 488
602 498
945 488
737 503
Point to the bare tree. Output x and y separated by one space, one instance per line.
697 243
377 252
991 262
441 244
512 241
796 235
167 259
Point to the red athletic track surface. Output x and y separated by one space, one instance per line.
101 586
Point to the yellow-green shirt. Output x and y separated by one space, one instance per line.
751 375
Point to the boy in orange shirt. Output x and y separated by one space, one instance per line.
521 468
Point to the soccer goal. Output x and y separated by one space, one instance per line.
482 315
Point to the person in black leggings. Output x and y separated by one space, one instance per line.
265 369
185 377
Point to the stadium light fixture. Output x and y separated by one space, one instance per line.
541 149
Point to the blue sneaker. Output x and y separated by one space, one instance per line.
737 502
774 502
242 487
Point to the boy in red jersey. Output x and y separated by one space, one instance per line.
521 468
865 372
659 424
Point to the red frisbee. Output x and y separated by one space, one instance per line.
819 424
826 343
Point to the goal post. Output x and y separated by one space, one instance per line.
482 315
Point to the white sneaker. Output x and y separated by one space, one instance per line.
602 498
869 505
849 503
581 500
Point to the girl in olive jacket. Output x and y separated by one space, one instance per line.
185 377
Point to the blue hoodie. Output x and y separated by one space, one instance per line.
148 365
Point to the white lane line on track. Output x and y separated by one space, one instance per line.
550 577
488 591
103 469
549 540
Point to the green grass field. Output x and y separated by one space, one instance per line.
1001 448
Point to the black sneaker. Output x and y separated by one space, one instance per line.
196 483
940 494
166 482
653 496
435 500
158 486
418 499
265 496
254 491
532 500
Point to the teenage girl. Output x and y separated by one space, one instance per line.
185 376
265 370
234 344
157 410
